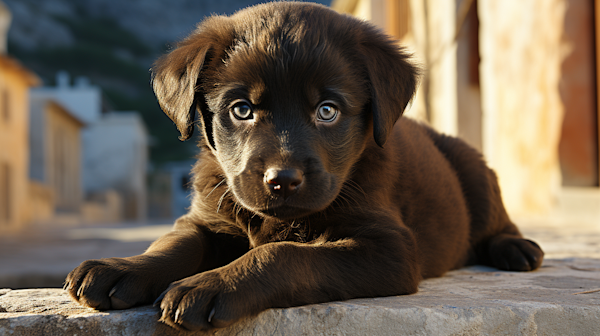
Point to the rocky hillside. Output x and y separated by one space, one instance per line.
114 44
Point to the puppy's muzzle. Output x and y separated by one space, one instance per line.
283 182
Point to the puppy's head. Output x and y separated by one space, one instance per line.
288 96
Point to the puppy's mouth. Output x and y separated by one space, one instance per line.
290 208
287 212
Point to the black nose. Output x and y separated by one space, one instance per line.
283 182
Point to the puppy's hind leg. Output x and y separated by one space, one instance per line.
504 247
511 252
501 245
495 239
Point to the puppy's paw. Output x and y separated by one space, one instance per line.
202 302
113 283
515 254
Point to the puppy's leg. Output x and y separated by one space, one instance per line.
373 262
119 283
501 245
505 247
511 252
495 239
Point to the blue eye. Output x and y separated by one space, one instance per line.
327 112
242 110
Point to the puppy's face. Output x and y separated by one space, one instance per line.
288 122
287 98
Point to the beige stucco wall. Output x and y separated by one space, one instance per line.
40 203
14 143
441 65
521 54
63 164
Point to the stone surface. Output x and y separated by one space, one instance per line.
43 256
561 298
469 301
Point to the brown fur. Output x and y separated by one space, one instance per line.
289 209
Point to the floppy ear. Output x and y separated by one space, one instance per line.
176 78
393 81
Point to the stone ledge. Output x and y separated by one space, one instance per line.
562 298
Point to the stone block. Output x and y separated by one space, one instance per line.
561 298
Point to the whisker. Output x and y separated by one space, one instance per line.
218 184
355 186
221 199
351 197
344 198
339 201
351 193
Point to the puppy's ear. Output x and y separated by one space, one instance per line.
393 81
176 77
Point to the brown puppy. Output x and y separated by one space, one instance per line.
307 189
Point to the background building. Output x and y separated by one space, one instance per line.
180 186
55 160
114 151
116 158
15 81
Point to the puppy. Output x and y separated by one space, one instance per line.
309 187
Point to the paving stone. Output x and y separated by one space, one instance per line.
561 298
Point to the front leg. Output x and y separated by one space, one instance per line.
120 283
374 262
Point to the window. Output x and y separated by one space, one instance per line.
5 105
5 206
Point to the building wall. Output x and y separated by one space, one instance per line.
40 203
55 158
37 132
62 143
116 157
14 143
521 50
578 148
467 81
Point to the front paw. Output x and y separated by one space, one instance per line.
203 302
112 283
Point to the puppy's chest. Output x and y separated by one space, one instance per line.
263 231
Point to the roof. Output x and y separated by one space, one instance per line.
30 77
65 112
